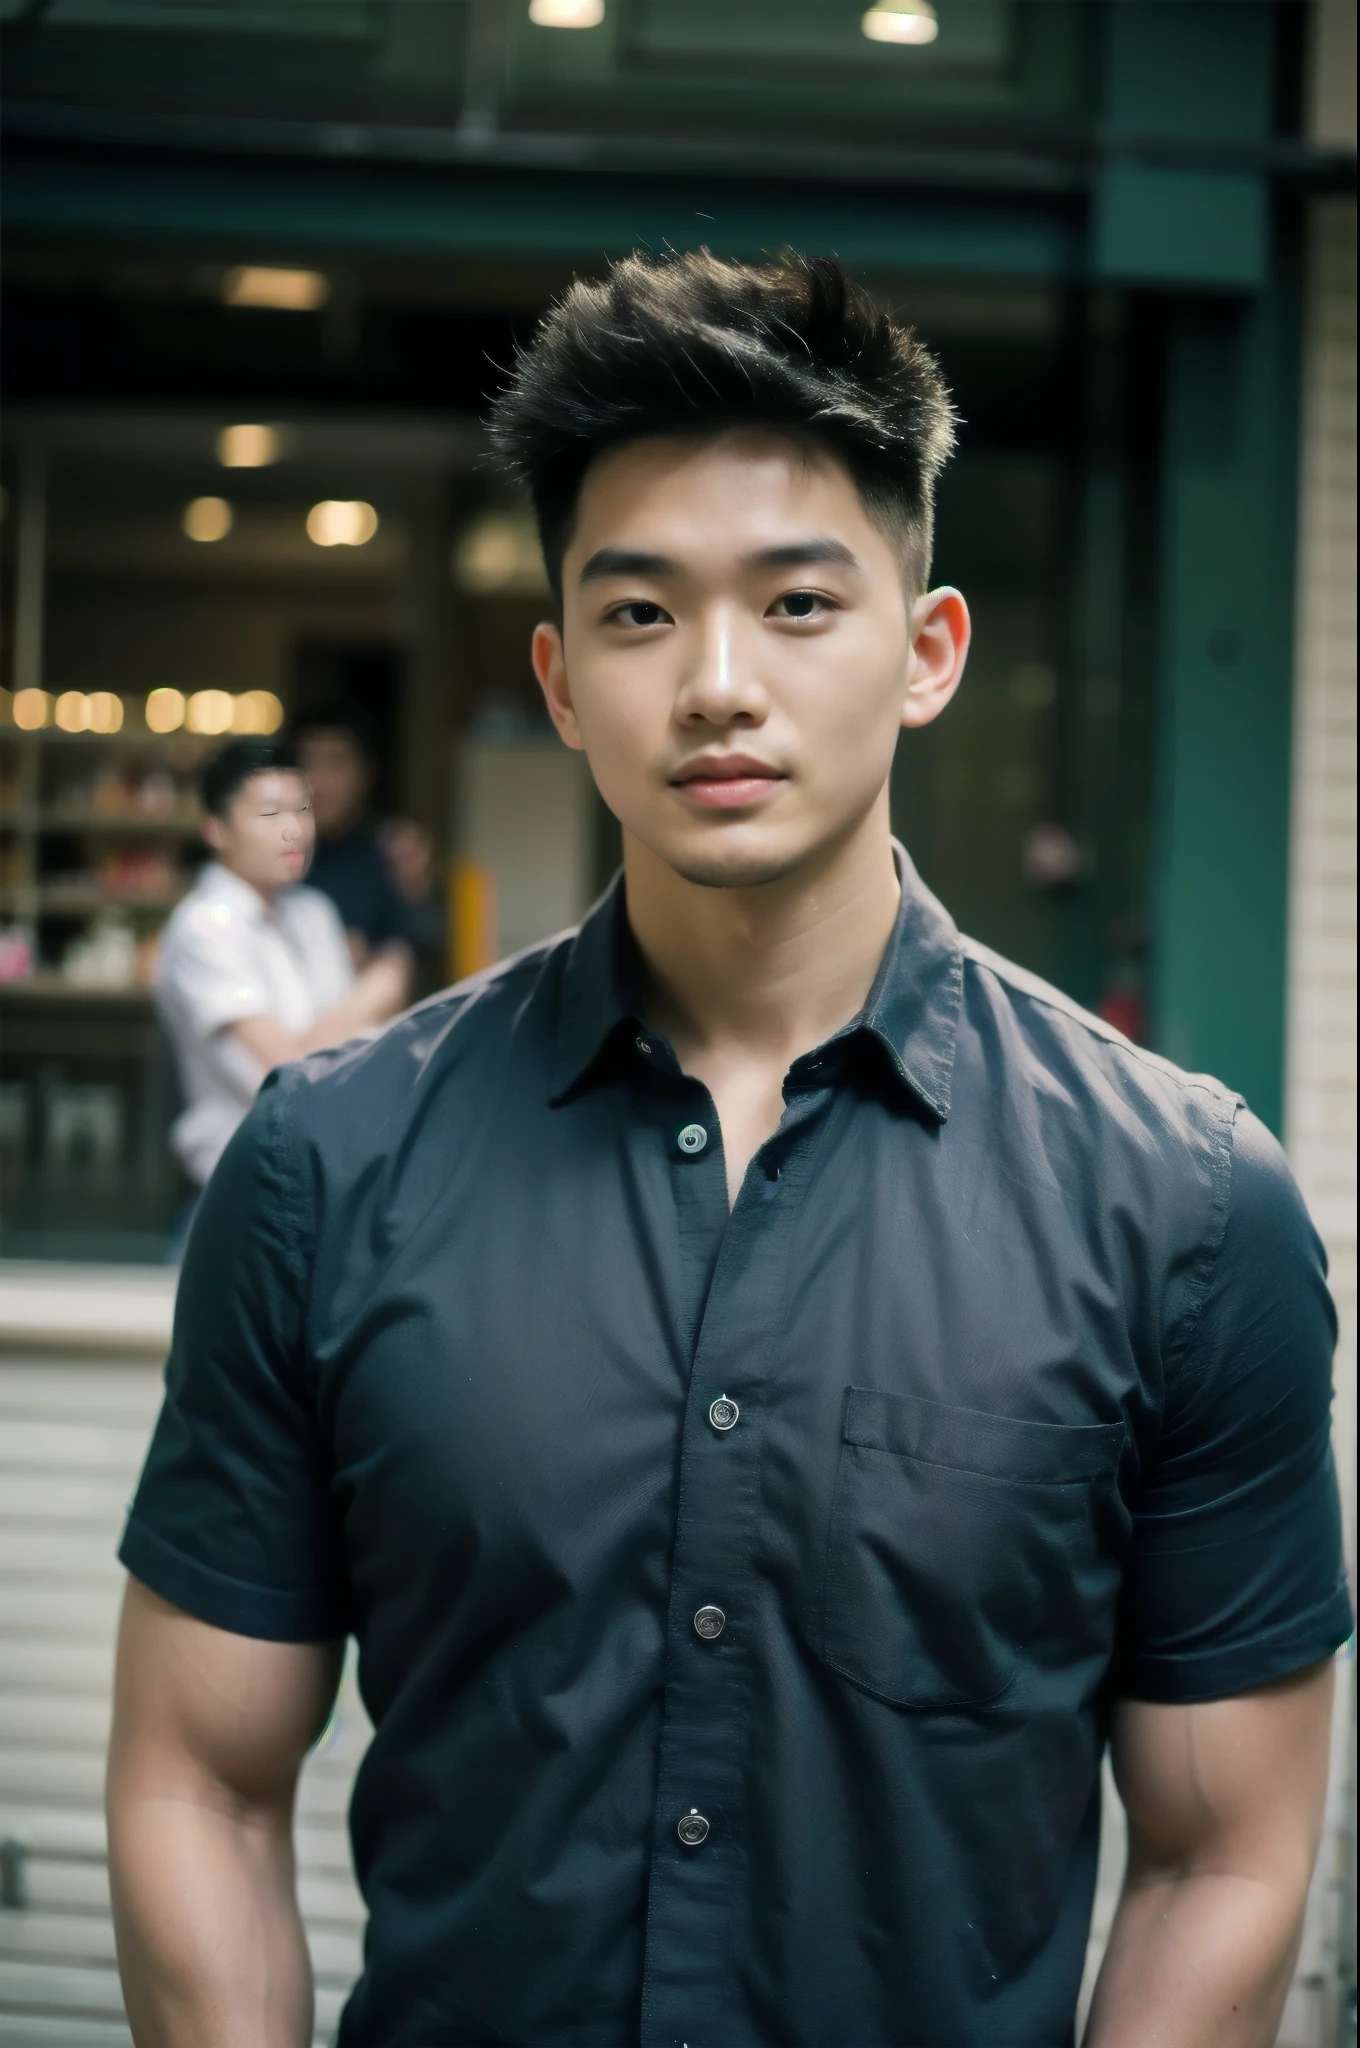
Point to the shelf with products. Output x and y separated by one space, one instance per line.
100 836
128 826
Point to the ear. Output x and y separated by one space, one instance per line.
550 666
214 832
940 632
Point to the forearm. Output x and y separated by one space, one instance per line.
1197 1959
377 994
210 1943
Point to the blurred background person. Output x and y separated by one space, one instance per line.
255 969
379 876
349 864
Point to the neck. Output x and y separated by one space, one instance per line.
266 896
776 968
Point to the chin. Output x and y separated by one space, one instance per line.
733 867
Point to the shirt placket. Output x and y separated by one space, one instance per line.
698 1871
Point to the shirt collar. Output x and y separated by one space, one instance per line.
911 1014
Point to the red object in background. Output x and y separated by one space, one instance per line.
1123 1007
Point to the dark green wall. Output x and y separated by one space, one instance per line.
1225 686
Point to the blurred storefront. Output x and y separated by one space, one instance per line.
264 264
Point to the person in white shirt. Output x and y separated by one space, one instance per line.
254 969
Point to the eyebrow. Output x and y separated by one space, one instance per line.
790 555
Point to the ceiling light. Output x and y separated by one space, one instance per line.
248 447
32 709
207 519
566 13
210 711
165 710
282 291
907 21
341 523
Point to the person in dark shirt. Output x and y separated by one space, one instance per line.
772 1387
350 865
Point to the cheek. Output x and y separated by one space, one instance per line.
623 718
846 697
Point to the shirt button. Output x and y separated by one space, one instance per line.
692 1139
709 1623
693 1829
723 1413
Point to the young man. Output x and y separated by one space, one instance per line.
254 969
770 1386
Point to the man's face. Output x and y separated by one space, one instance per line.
268 832
339 776
736 654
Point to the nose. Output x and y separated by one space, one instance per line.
720 685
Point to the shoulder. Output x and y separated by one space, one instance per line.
204 923
1050 1034
490 1031
304 906
1143 1149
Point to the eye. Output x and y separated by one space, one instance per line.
803 604
638 611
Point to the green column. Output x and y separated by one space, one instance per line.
1224 681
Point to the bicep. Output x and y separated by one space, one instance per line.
199 1706
1234 1783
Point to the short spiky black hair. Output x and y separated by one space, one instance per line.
696 345
228 771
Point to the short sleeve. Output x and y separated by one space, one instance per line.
232 1519
208 978
332 969
1236 1575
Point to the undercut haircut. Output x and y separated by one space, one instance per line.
231 767
695 346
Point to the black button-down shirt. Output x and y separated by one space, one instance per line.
740 1596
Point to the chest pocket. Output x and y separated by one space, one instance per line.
957 1539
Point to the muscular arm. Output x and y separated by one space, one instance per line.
378 992
209 1733
1225 1803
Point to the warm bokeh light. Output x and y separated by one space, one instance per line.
341 523
210 712
72 712
104 711
32 709
248 447
256 711
910 21
566 13
165 710
280 290
500 551
208 519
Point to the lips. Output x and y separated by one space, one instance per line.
727 782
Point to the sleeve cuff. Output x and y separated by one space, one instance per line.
272 1615
1222 1673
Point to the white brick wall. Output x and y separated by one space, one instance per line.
1321 1061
